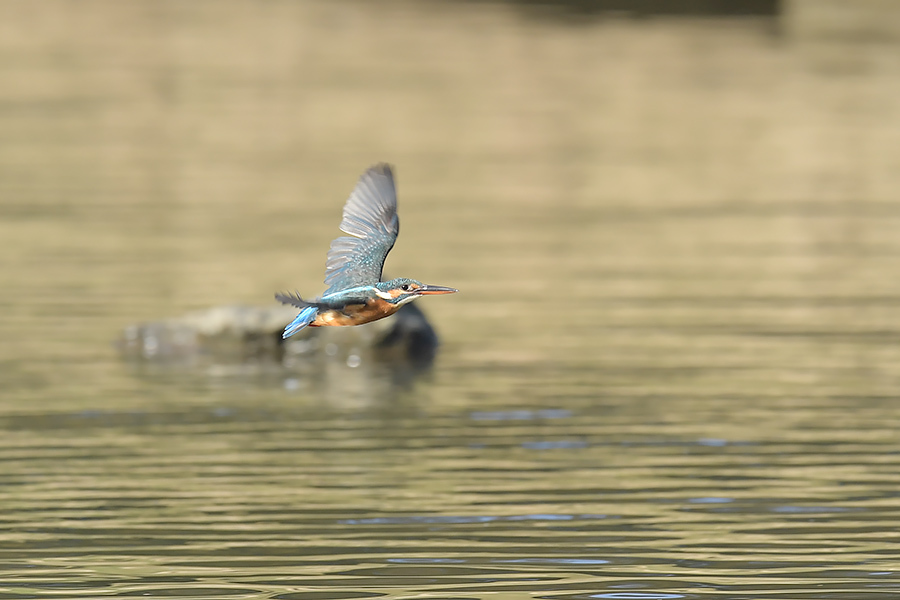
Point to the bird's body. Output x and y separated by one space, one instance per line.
353 268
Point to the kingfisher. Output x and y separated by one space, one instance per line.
353 266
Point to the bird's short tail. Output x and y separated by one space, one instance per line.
306 316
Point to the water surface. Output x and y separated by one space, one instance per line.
672 370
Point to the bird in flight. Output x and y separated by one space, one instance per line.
353 267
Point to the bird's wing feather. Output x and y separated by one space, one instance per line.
370 215
337 300
356 295
293 299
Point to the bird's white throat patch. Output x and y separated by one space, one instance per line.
384 295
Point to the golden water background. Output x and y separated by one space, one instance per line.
672 370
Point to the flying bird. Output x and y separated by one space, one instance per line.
353 267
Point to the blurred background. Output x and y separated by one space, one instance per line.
672 370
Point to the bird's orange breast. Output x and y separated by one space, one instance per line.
355 314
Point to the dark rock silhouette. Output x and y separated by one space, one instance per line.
246 341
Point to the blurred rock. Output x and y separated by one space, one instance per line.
246 340
647 8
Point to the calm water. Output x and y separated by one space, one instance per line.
672 371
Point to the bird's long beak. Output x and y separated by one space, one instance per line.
435 289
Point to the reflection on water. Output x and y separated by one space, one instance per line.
282 497
671 371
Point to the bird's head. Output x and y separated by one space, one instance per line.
402 290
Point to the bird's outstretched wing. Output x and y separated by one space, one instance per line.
370 215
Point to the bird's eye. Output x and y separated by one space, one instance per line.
405 287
